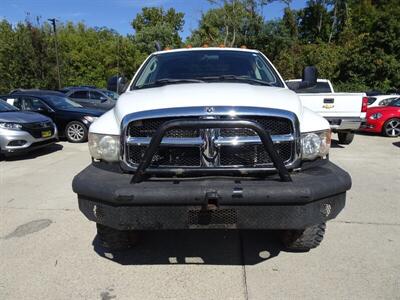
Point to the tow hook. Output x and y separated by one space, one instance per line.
210 205
211 200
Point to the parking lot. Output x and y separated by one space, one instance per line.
49 250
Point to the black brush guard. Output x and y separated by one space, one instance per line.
265 137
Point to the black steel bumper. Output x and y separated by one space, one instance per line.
315 195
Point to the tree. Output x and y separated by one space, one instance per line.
154 24
315 21
234 23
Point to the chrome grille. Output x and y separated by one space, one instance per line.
168 156
146 128
273 125
233 147
252 155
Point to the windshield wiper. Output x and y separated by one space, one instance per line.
236 78
166 81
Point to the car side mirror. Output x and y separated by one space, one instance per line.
103 99
116 84
309 80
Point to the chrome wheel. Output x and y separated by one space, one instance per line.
392 127
76 132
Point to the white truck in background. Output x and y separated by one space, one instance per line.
344 111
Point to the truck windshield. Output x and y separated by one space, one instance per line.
200 66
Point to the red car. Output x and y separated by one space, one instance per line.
384 119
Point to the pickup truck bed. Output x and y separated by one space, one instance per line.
342 110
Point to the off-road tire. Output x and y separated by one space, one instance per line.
388 123
345 138
80 137
114 239
304 240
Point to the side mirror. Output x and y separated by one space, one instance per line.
103 99
309 80
116 84
310 76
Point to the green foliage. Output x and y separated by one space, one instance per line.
156 25
356 44
233 24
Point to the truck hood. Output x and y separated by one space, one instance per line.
207 94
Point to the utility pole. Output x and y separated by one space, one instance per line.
118 48
53 22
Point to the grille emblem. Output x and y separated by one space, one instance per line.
209 110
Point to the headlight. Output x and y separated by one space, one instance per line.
315 144
90 118
104 147
10 126
375 116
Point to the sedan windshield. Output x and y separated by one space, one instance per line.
200 66
4 107
60 102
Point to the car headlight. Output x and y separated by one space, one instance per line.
375 116
10 126
315 144
104 147
90 119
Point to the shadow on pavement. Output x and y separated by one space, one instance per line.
368 134
396 144
335 144
207 247
35 153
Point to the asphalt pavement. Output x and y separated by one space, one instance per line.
48 250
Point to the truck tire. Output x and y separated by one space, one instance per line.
116 239
76 132
304 240
345 138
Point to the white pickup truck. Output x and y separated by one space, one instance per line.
344 111
210 138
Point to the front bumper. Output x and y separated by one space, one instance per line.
31 143
315 195
344 124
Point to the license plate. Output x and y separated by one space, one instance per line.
46 133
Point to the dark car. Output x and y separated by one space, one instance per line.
72 119
90 97
22 131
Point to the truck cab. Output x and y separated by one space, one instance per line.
210 138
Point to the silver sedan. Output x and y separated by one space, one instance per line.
22 131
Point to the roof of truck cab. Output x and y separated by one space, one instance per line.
318 80
206 49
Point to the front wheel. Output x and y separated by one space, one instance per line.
345 138
392 127
116 239
304 240
76 132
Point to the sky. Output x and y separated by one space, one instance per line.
116 14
